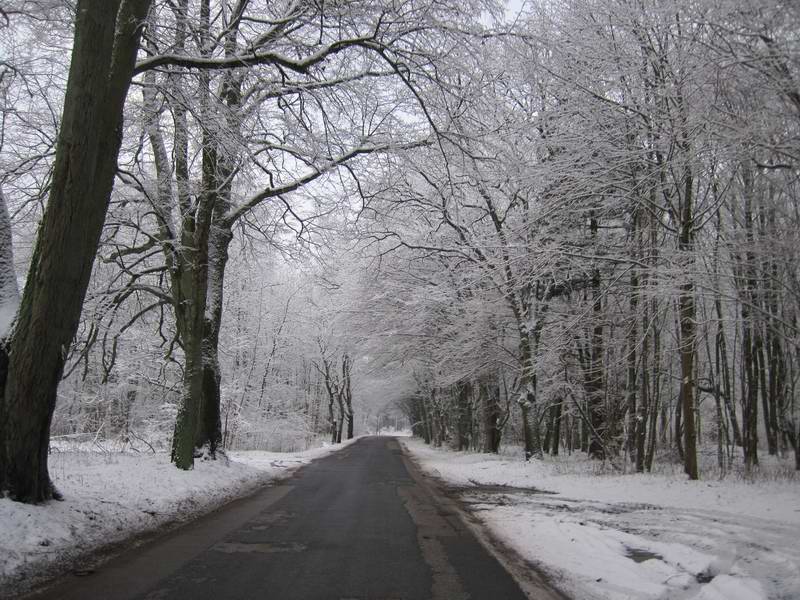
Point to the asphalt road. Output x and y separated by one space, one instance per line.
359 524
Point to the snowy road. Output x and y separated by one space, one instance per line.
358 524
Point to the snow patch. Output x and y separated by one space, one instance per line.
633 536
110 497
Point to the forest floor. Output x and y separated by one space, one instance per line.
112 498
613 536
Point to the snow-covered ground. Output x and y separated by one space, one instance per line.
633 536
112 496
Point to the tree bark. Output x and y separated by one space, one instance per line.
687 315
465 417
195 416
191 315
527 434
594 382
209 432
635 423
220 236
107 34
492 425
347 394
555 426
594 376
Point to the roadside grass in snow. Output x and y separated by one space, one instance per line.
602 534
668 463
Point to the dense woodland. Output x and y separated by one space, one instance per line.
568 225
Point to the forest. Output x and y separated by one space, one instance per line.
571 226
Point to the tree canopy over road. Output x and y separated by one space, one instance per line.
571 225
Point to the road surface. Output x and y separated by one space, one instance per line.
359 524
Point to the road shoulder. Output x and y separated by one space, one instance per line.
534 583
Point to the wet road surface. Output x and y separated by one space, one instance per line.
359 524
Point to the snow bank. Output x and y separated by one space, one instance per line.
110 497
634 536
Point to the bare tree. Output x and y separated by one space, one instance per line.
106 43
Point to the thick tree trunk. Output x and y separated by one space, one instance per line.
186 420
209 433
107 36
220 236
193 280
9 304
527 434
190 311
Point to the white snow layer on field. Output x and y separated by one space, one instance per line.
111 496
634 536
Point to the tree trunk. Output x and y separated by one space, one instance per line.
221 167
721 354
749 395
687 316
527 434
464 412
644 378
651 325
555 427
347 392
191 318
208 432
423 412
767 398
750 334
106 42
9 304
594 383
492 416
331 420
340 420
193 279
635 423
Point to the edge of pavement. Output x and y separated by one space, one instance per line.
91 559
534 582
